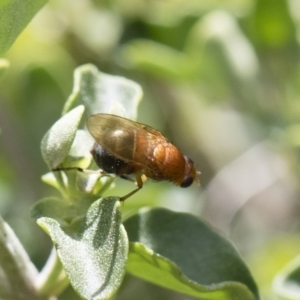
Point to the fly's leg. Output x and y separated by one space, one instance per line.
139 181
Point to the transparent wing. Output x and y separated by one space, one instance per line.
130 141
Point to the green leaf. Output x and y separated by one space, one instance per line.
216 42
287 283
170 63
4 65
179 252
273 24
103 93
57 209
15 15
94 254
17 273
57 142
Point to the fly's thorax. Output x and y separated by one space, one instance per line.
169 162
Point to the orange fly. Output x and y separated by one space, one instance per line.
125 147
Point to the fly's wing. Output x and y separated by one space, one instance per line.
127 140
151 130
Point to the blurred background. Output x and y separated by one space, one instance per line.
221 80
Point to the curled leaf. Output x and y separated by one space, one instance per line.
57 142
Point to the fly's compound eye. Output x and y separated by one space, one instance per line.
187 181
189 171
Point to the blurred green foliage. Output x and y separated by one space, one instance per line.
221 79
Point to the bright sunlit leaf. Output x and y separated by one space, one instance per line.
104 93
57 142
95 253
287 283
